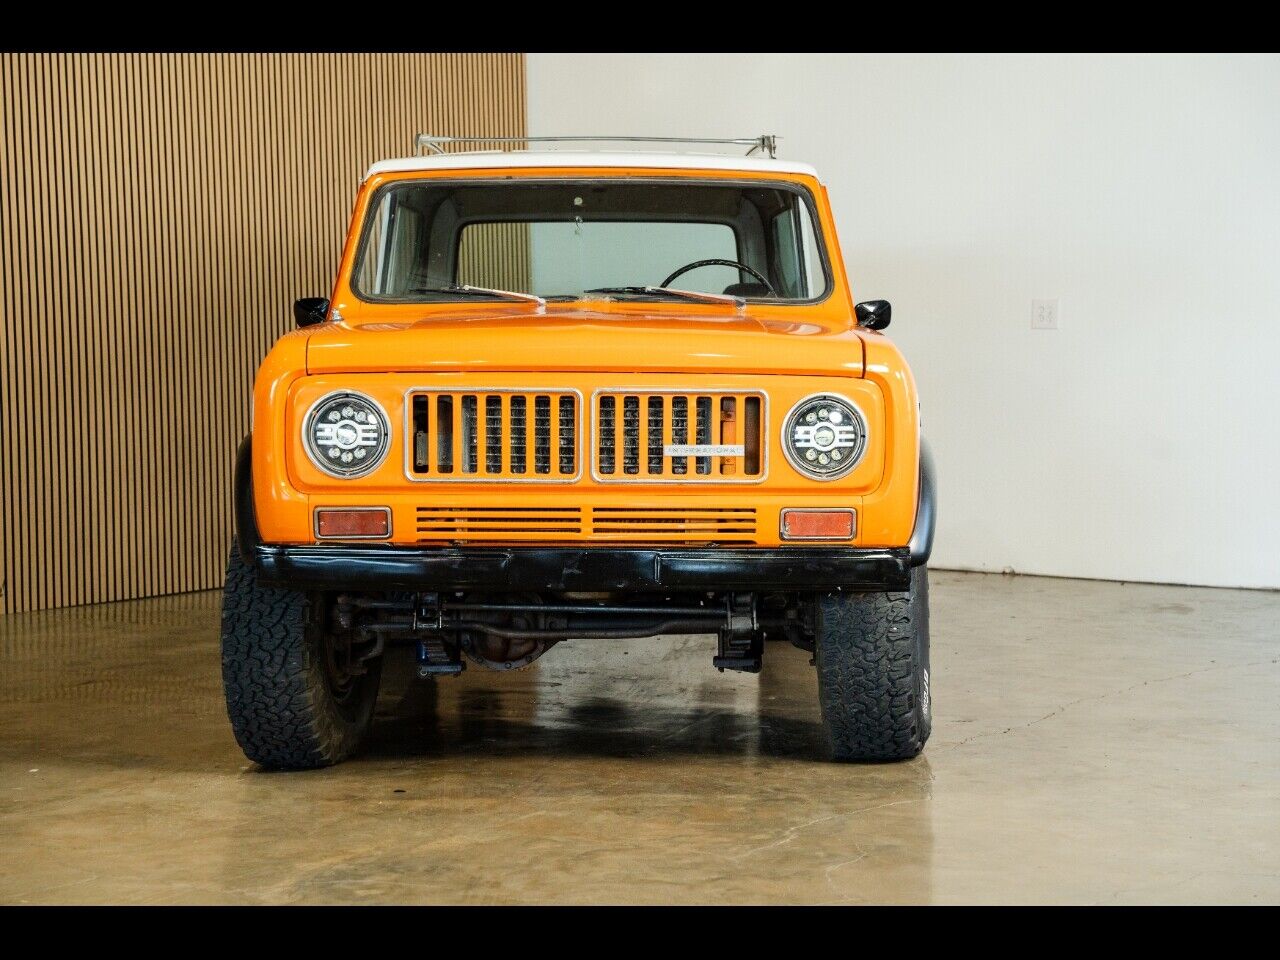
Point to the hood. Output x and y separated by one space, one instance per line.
667 341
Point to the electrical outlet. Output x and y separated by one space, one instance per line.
1044 314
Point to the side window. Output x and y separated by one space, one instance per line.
375 249
814 277
786 253
407 252
797 263
395 252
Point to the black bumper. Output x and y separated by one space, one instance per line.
539 569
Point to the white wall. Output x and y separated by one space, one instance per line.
1138 442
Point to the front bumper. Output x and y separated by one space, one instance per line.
542 569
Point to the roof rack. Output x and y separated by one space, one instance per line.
427 143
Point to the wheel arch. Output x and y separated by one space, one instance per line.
921 543
246 521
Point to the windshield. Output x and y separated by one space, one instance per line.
565 240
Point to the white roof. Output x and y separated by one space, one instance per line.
490 159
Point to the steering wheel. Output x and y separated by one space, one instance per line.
722 263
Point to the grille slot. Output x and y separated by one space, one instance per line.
483 435
608 434
444 431
679 431
655 435
421 434
519 436
704 431
542 434
469 433
630 434
568 445
492 434
723 433
751 424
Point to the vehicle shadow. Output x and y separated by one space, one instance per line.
496 715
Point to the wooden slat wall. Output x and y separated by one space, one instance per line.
159 214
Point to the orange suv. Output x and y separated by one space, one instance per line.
560 395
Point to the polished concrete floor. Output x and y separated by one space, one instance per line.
1093 742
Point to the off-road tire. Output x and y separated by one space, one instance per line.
282 705
872 655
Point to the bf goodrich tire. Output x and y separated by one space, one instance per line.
872 655
290 707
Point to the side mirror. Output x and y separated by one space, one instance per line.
873 314
309 311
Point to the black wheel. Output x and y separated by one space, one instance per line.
872 655
295 697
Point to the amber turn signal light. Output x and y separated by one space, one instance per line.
353 523
818 524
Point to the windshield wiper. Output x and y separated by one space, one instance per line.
470 291
672 291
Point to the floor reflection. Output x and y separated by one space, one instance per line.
569 708
629 771
1083 735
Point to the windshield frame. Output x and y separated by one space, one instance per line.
799 189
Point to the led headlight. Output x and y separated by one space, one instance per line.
346 434
824 436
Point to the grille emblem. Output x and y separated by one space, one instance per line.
704 450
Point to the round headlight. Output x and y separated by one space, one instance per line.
346 434
824 436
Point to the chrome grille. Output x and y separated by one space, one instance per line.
664 436
485 435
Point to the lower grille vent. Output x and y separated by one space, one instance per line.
674 524
498 523
635 525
